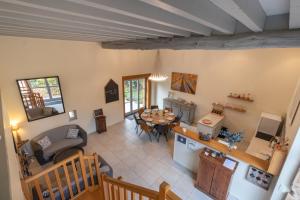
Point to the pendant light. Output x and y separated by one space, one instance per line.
157 77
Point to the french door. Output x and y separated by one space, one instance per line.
136 93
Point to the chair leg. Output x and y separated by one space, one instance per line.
166 136
158 136
150 137
141 133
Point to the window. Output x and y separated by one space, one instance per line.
47 87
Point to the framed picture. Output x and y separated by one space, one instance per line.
111 91
41 97
183 82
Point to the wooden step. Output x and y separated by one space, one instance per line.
95 195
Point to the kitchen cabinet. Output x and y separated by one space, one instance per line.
213 178
177 106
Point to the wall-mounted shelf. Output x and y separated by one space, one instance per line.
231 107
240 97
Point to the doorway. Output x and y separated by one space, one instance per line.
136 93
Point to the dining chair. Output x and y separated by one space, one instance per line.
179 116
162 129
137 122
146 129
168 109
140 111
176 122
153 107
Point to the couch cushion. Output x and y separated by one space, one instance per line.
64 143
72 133
44 142
55 134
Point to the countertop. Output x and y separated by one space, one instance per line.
240 155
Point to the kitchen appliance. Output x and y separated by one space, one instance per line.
210 125
268 127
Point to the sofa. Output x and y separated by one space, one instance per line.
58 139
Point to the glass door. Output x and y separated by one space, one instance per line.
134 95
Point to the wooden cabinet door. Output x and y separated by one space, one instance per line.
185 115
205 174
167 104
176 108
220 183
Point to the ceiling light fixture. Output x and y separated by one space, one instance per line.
157 77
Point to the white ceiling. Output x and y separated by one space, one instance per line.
275 7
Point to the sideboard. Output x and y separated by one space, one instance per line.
177 106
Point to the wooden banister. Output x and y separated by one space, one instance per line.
172 196
110 188
163 189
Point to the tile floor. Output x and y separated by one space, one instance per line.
142 162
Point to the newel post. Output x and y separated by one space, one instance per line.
163 189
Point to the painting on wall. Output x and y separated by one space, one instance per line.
111 91
184 82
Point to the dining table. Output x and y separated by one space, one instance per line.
158 117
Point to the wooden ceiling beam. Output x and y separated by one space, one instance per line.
42 15
29 19
270 39
93 13
146 12
294 14
57 32
248 12
46 26
15 33
203 12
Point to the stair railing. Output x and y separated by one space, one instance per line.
78 167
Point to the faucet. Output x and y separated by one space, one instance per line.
274 140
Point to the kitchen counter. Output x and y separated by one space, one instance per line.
239 155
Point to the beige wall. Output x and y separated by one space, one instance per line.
269 74
13 164
84 69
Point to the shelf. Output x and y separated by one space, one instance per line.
239 109
231 107
240 98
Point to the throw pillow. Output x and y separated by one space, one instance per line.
44 142
72 133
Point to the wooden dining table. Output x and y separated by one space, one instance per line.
158 117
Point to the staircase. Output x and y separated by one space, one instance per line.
79 177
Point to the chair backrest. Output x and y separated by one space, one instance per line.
154 107
55 134
141 110
145 127
136 119
179 116
168 109
162 128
